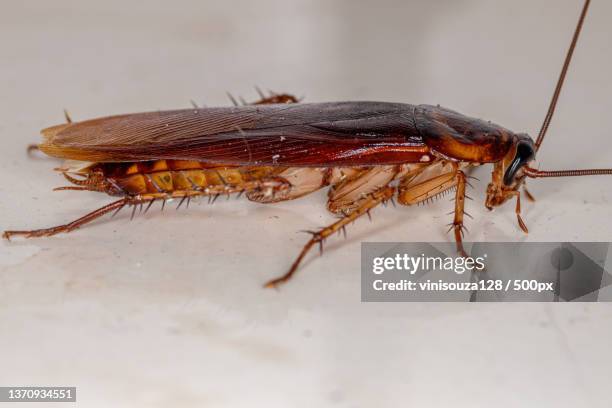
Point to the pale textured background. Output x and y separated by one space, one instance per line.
168 310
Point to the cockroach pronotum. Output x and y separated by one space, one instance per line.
279 149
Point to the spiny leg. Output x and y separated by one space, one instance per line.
433 181
347 193
372 201
425 184
457 224
266 186
46 232
270 186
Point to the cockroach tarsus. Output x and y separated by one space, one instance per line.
278 149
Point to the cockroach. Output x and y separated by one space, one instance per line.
279 149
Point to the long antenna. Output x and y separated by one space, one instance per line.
535 173
566 64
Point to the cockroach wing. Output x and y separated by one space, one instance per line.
319 134
461 137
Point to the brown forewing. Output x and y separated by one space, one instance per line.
325 134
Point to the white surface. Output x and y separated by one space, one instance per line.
168 310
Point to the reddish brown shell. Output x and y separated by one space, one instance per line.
461 137
319 134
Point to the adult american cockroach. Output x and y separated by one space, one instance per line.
278 149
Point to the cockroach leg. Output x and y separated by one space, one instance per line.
529 196
75 188
521 223
46 232
76 181
67 116
434 181
457 224
303 180
347 193
427 183
372 201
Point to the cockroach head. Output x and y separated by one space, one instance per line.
522 153
508 174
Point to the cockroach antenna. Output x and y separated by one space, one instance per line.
561 80
535 173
